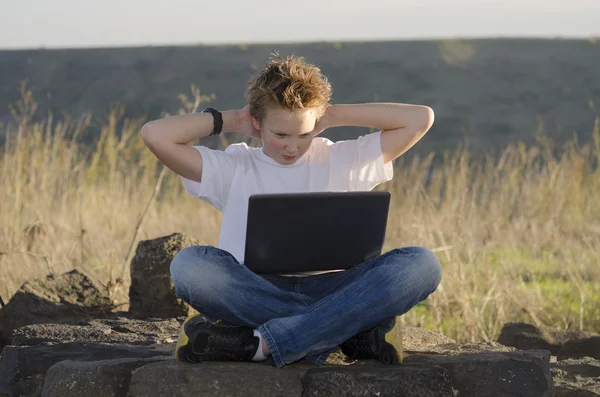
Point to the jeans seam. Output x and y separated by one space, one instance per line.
300 295
333 295
304 299
271 345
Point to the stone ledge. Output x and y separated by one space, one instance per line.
77 369
513 373
106 378
175 379
23 368
392 381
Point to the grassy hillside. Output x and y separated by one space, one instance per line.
518 233
490 92
518 236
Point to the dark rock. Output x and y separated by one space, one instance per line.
494 374
22 368
71 298
576 377
390 381
589 347
527 336
172 378
106 378
416 339
151 293
116 331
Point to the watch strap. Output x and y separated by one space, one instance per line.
217 120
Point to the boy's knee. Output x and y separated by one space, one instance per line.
424 265
183 259
187 263
200 269
429 265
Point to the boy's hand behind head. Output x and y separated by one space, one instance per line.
245 124
324 122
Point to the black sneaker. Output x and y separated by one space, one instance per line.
200 340
383 343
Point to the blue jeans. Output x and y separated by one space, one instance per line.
304 317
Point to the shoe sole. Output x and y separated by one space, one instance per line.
182 348
182 341
389 344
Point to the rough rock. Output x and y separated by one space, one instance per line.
525 336
588 347
392 381
116 331
416 339
577 377
175 379
493 373
454 349
23 368
151 293
70 298
105 378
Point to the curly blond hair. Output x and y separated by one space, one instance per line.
288 83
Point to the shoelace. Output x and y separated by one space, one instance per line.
230 335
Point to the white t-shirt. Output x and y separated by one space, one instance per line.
231 176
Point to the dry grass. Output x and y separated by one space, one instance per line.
518 235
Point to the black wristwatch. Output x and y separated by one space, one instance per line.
217 120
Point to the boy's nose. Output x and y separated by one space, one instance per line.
292 149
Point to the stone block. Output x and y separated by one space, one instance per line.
151 293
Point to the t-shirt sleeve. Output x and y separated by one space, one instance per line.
360 162
218 168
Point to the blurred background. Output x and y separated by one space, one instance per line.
503 187
493 71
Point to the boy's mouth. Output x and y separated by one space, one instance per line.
288 157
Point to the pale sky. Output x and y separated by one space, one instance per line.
115 23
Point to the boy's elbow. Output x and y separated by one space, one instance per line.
428 118
147 133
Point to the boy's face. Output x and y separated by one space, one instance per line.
287 135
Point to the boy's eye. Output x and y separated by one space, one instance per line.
283 136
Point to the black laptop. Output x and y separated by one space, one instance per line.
300 232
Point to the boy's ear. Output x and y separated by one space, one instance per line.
255 123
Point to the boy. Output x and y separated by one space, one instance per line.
288 317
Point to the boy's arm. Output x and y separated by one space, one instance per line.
401 125
169 139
